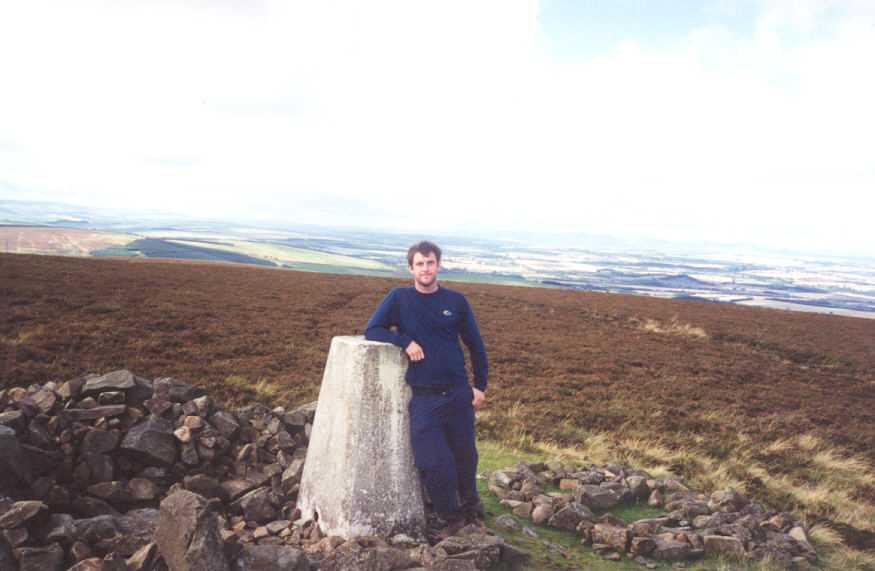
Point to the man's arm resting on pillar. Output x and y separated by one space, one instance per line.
384 317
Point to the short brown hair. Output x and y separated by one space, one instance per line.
425 248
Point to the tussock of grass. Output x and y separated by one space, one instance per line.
24 335
672 327
262 390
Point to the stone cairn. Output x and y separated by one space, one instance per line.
695 525
120 473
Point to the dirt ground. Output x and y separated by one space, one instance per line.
565 359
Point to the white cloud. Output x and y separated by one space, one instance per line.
450 114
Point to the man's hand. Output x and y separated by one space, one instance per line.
414 351
479 397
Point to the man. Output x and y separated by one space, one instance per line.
429 319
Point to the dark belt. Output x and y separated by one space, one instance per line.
432 390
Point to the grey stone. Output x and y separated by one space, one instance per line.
115 381
14 465
144 559
718 545
597 497
206 486
90 564
59 528
570 516
271 558
226 424
616 536
136 529
151 441
13 419
80 414
506 521
258 505
188 534
21 513
100 441
668 550
542 513
95 530
49 558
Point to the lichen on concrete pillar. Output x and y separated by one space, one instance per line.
359 478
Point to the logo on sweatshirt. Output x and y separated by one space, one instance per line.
447 312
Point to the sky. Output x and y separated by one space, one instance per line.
710 121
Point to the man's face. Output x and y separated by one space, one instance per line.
425 270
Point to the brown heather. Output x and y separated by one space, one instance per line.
774 401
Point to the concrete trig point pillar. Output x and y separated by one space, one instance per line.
359 477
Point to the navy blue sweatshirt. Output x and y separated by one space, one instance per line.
435 321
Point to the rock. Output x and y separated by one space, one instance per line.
113 492
568 484
14 466
616 536
136 529
647 527
96 530
506 521
58 529
49 558
362 554
484 550
141 489
642 546
151 441
568 517
144 559
206 486
13 419
271 558
188 534
668 550
596 497
90 564
638 486
44 400
236 488
16 536
111 397
22 513
181 392
99 442
656 499
226 424
88 506
718 545
542 513
524 509
115 381
292 475
727 501
80 414
258 505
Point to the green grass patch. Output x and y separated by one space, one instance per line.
554 549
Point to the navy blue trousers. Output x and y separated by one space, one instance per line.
444 449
